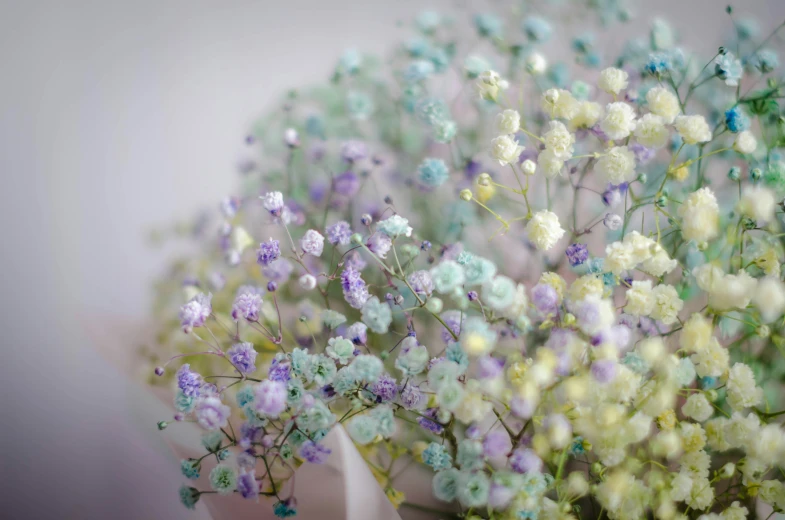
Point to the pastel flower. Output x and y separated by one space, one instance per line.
505 149
377 315
544 230
312 242
432 173
395 226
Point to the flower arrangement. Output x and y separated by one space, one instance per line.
564 297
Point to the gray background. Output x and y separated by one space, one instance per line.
116 116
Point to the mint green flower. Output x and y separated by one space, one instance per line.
445 484
189 496
395 226
345 381
362 428
376 315
359 105
385 420
442 373
450 395
413 360
332 319
321 370
294 392
446 276
445 131
223 479
499 293
473 489
299 358
212 440
367 368
470 455
340 349
317 417
478 271
190 468
437 456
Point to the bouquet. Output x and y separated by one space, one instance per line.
554 284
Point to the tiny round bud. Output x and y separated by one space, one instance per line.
722 50
268 441
179 417
434 305
307 282
162 425
388 200
466 195
662 201
388 297
472 295
763 331
529 167
712 395
249 139
728 470
552 95
443 416
366 219
399 300
384 355
536 64
159 371
291 138
356 239
303 319
643 178
613 221
756 174
425 246
223 454
484 179
596 468
703 246
748 223
272 286
734 173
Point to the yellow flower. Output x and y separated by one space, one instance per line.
769 262
485 192
667 420
681 174
395 497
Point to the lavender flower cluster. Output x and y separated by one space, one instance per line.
557 288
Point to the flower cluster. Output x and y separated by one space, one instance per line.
562 297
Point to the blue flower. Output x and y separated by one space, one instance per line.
284 509
736 120
359 105
537 29
418 70
456 354
363 429
189 496
728 68
184 403
437 456
488 25
477 270
190 468
469 455
245 396
447 276
765 60
433 172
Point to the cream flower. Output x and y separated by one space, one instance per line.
508 122
758 203
549 164
559 140
745 142
612 80
489 84
712 361
544 230
743 392
693 129
667 304
696 333
640 300
505 149
663 103
585 286
586 115
559 103
697 407
700 215
619 120
619 257
659 264
617 165
770 298
650 131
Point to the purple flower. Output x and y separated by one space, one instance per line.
643 155
346 184
278 271
243 357
522 407
339 233
489 367
379 244
273 202
421 282
195 312
268 252
355 291
352 151
453 320
270 397
430 425
577 254
524 460
500 496
188 382
472 169
603 370
358 333
496 443
247 303
211 413
545 298
385 388
411 397
279 371
314 453
355 261
247 484
229 206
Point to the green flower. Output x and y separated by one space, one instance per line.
470 455
499 293
376 315
448 275
473 489
340 349
395 226
450 395
367 368
385 420
321 370
317 417
445 484
223 479
189 496
362 429
332 319
478 270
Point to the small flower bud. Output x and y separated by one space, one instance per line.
613 221
529 167
388 297
484 179
425 246
472 295
763 331
388 199
434 305
662 201
384 355
643 178
366 219
303 319
712 395
536 64
272 286
466 195
162 425
179 417
399 300
748 223
159 371
756 174
728 470
268 441
291 138
734 173
307 282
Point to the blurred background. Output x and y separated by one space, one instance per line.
116 117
